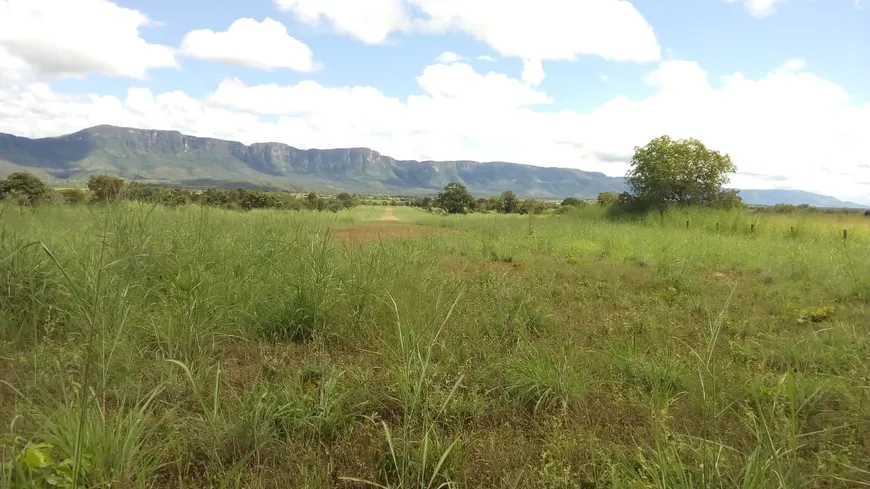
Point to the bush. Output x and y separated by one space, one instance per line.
105 188
73 195
607 198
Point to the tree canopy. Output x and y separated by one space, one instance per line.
510 202
455 199
24 185
105 188
681 172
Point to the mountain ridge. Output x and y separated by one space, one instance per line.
171 157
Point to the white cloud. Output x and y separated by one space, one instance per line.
448 57
265 45
495 90
603 78
62 38
533 72
485 57
789 123
545 29
760 8
677 75
12 68
370 21
548 29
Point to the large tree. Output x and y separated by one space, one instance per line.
23 185
682 172
455 199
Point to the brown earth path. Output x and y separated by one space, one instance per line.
388 215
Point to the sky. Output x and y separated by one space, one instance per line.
782 86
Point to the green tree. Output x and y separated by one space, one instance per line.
682 172
572 202
531 206
313 201
607 198
105 188
346 200
494 203
424 202
510 202
23 185
455 199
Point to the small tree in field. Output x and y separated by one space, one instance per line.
105 188
681 172
510 202
24 186
455 199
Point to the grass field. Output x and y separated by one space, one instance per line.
187 347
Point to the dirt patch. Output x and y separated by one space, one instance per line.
382 230
388 215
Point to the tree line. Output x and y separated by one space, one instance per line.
456 199
28 189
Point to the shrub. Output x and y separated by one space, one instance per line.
73 195
573 202
607 198
105 188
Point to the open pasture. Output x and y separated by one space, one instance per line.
147 346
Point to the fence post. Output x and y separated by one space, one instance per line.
717 227
687 224
845 234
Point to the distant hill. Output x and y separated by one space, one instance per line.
172 157
169 157
794 197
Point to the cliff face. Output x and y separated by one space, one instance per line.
175 157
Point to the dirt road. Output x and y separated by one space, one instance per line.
388 215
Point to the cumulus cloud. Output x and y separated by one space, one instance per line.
533 72
462 83
789 128
265 45
448 57
371 21
62 38
545 29
760 8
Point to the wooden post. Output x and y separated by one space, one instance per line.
845 234
687 224
752 228
717 227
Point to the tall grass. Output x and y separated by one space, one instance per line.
145 346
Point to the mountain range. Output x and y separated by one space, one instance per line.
172 158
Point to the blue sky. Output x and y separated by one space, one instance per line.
781 85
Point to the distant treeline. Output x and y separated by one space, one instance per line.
27 189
